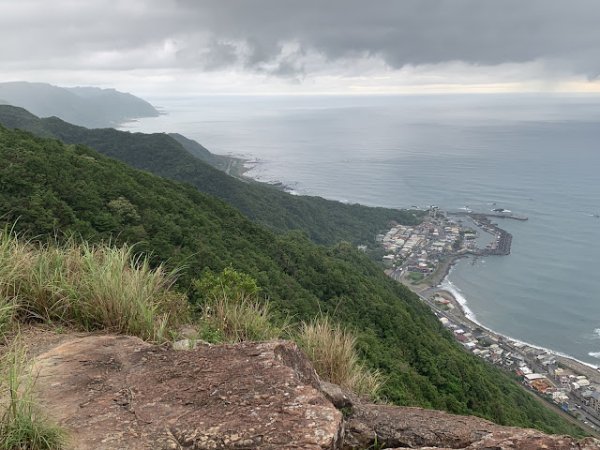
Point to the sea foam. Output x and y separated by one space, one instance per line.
447 285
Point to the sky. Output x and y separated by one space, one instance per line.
187 47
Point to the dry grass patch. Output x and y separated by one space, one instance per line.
89 287
332 350
22 424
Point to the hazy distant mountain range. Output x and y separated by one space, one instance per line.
91 107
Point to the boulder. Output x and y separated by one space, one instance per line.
341 398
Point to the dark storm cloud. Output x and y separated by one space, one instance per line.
253 34
413 31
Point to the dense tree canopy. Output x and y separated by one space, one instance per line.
177 158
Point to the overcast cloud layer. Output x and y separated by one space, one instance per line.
309 45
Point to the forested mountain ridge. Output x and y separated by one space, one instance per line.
87 106
202 153
325 221
49 190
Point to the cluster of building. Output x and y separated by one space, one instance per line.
538 370
480 342
413 252
570 390
578 390
420 248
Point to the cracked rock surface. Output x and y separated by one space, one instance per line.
117 392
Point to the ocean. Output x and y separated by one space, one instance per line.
536 155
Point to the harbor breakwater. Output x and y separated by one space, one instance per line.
501 245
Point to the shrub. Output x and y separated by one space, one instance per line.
230 283
232 310
332 351
238 319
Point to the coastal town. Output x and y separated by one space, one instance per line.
421 256
568 384
414 253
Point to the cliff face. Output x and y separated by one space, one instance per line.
116 392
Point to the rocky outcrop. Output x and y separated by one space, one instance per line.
116 392
380 426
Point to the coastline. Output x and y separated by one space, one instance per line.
451 307
575 406
240 167
446 289
439 283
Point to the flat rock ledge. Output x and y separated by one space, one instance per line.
116 392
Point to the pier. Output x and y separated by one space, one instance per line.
501 249
501 246
491 214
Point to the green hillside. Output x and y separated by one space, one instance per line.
202 153
49 189
325 221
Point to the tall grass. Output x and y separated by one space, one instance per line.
89 287
11 266
332 351
22 426
239 318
